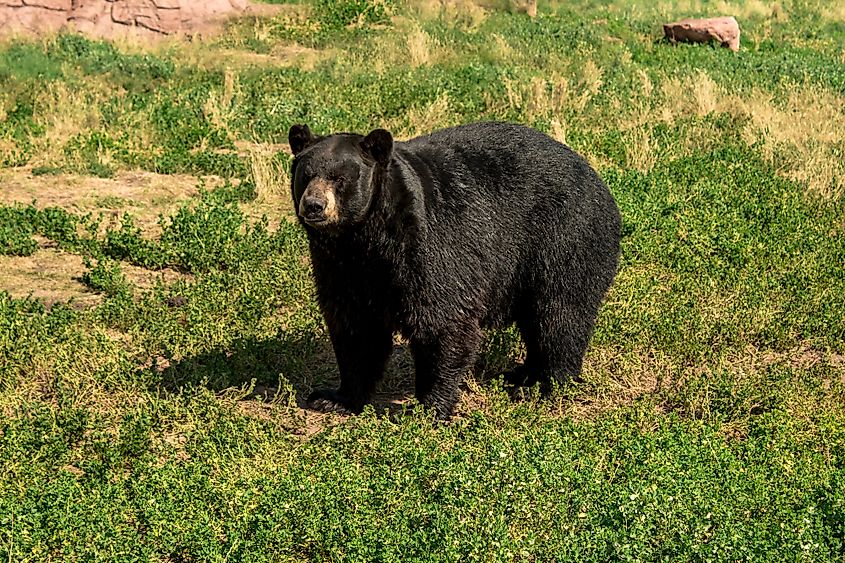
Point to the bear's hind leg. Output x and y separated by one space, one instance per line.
556 340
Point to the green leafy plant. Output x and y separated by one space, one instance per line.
342 13
16 232
211 235
127 243
105 276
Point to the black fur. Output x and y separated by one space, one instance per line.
441 236
299 138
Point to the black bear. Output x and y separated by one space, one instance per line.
439 237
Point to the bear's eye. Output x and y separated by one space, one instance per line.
339 183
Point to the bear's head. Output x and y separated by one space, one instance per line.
335 179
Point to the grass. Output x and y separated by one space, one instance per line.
158 328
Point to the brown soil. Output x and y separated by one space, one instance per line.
49 275
53 275
143 194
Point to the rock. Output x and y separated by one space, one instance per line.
59 5
110 18
92 18
176 301
725 30
29 19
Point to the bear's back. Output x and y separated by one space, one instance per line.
501 202
494 151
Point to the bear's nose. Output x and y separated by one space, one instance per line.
313 207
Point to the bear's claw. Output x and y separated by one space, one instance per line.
329 400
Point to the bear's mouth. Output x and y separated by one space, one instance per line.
315 219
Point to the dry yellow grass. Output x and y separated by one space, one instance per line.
742 10
271 180
528 6
706 94
420 47
281 55
426 118
410 46
4 100
673 101
66 111
558 131
590 83
464 14
750 9
220 105
640 148
833 11
536 98
695 95
8 148
798 133
646 85
425 9
499 49
515 93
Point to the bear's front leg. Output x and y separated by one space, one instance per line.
362 347
441 360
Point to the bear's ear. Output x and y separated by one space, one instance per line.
300 138
379 145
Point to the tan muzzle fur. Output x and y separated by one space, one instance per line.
321 188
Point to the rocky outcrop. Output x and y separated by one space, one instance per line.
724 30
110 18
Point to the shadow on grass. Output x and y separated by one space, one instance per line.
302 362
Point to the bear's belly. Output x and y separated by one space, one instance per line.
413 309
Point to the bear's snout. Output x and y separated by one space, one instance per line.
319 203
314 208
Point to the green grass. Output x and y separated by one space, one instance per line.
512 486
165 423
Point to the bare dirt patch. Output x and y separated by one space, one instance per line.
52 276
49 275
143 194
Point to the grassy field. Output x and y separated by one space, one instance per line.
158 329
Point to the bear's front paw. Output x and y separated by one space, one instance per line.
330 400
520 377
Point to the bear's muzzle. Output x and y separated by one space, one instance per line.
318 205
